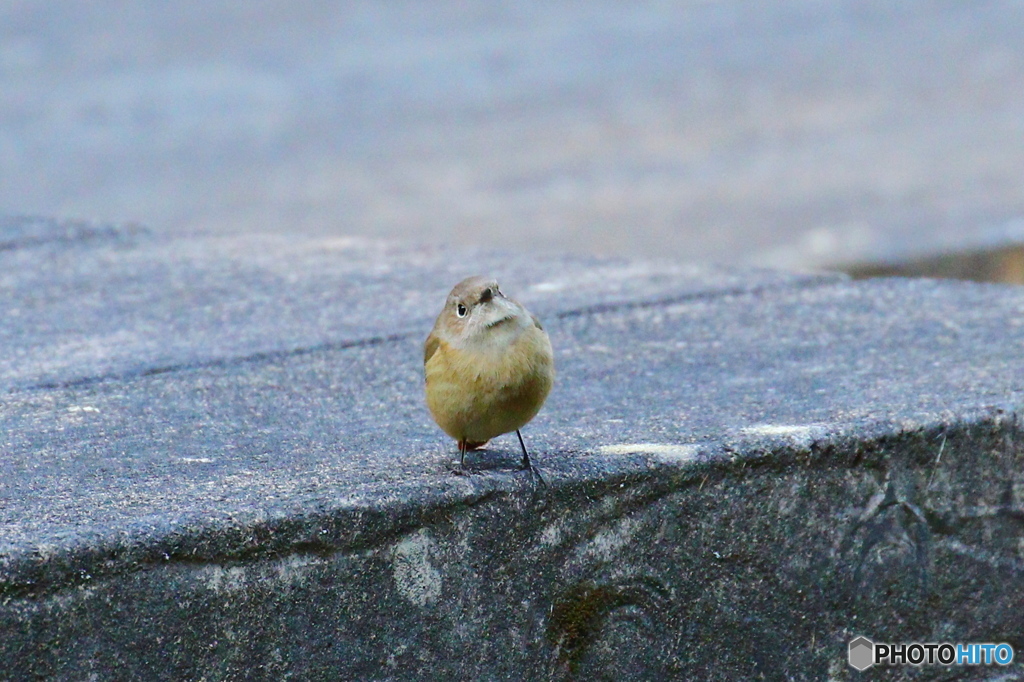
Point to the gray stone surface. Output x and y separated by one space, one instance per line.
217 464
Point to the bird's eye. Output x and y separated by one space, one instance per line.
486 295
460 310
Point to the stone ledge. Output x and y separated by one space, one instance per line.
218 464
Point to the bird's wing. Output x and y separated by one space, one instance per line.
430 347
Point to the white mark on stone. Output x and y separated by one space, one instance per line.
607 542
295 568
551 535
666 452
195 460
225 579
798 434
83 408
548 287
416 578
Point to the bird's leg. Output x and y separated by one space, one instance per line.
527 464
460 468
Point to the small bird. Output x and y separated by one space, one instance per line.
488 364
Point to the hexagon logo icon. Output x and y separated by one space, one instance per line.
862 653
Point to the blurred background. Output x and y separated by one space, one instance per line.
801 134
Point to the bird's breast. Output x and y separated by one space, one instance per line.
480 390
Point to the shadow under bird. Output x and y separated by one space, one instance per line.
489 366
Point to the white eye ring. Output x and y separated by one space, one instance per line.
460 310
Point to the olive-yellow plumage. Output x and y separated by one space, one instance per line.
488 363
